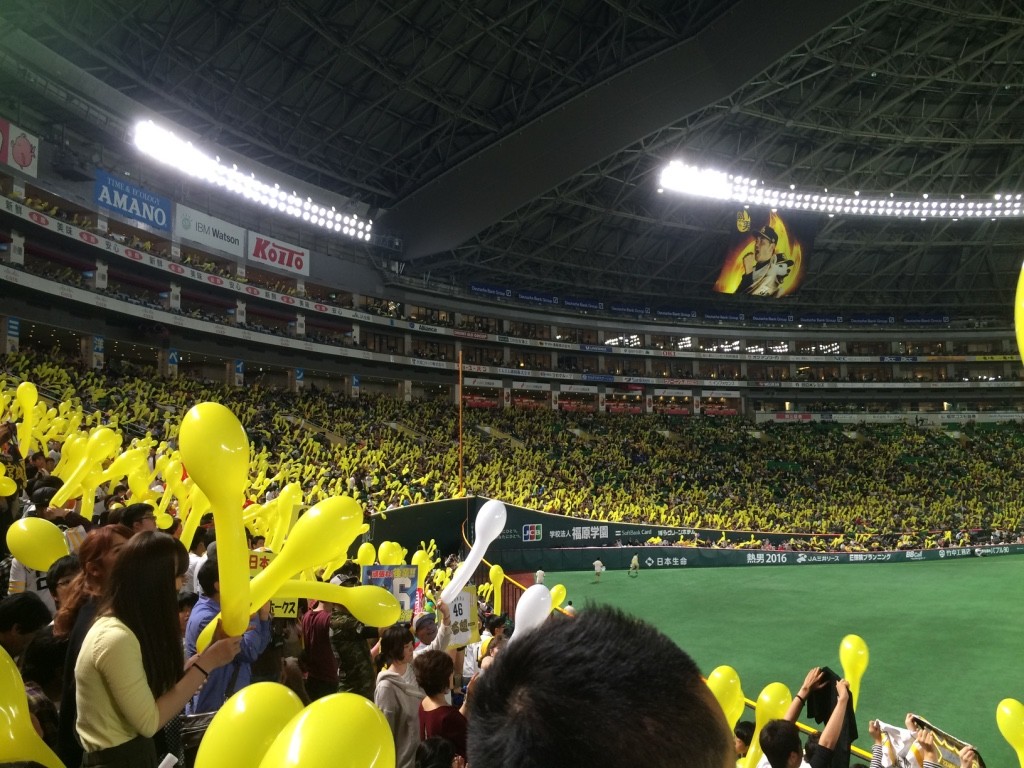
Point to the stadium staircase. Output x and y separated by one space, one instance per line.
335 438
497 434
405 429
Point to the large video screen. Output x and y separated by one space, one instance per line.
767 253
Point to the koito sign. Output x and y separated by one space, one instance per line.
271 252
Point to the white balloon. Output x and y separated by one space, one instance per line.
532 610
490 522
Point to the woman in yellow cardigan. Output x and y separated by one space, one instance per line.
130 674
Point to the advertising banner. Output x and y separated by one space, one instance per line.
201 228
19 149
133 202
266 251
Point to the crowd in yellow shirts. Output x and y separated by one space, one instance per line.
916 486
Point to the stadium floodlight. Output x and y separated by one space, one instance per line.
162 145
718 185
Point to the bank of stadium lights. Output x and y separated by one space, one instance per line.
164 146
705 182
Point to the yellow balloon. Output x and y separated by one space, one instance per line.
7 486
366 554
422 560
389 553
557 595
373 606
18 739
772 704
724 682
1018 311
164 521
244 728
320 535
102 444
854 656
36 543
343 730
215 451
1010 719
284 514
27 396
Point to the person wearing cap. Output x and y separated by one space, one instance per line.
349 637
764 270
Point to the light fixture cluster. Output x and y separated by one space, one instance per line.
164 146
706 182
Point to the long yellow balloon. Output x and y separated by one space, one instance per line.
215 451
771 705
373 606
854 657
1018 312
18 739
320 535
244 728
343 729
101 444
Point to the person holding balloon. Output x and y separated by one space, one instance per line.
130 675
397 694
252 643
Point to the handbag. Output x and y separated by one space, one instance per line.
193 727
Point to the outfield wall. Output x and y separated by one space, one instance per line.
617 558
532 540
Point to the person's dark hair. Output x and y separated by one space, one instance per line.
433 671
133 513
198 540
40 483
173 527
26 611
744 731
494 622
208 575
142 594
779 739
43 660
811 746
95 545
187 599
525 709
62 568
392 642
41 498
115 515
435 752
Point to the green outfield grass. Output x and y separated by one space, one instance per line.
944 637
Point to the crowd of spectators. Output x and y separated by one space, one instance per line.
880 486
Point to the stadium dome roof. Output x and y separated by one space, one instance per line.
521 142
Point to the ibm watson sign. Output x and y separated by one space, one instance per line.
201 228
132 202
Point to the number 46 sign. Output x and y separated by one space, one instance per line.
400 580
